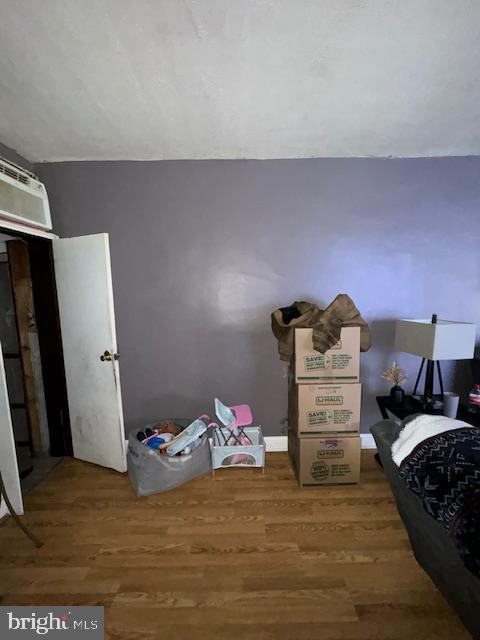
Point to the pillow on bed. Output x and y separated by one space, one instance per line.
418 428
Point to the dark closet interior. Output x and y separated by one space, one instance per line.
30 337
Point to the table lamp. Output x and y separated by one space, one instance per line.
434 340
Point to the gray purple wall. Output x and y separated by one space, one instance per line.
202 251
13 156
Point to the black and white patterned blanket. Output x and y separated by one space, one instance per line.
444 471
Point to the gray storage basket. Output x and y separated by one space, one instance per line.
151 472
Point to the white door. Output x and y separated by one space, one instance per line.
8 455
85 301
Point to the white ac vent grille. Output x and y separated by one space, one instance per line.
15 175
23 197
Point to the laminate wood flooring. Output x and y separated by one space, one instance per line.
238 556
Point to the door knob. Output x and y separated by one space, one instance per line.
108 357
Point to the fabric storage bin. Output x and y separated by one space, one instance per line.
151 472
245 455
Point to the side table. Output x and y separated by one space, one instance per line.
409 406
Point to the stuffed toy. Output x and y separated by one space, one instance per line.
170 427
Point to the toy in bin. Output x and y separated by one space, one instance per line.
238 443
168 439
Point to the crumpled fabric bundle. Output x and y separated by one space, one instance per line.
326 324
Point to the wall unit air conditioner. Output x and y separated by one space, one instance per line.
23 198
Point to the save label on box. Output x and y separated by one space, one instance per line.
324 461
340 363
324 409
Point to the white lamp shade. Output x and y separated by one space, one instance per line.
445 340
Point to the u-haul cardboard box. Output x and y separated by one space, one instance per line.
323 462
341 363
324 409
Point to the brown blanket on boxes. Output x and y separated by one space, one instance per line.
326 324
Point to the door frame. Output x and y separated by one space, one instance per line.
8 454
27 335
44 292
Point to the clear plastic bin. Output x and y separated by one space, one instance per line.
151 472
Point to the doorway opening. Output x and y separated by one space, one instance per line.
31 345
62 291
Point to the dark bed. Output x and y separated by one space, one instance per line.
432 546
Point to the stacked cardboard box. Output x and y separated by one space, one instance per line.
324 399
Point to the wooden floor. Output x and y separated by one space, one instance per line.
236 557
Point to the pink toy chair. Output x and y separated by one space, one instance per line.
234 420
243 418
243 415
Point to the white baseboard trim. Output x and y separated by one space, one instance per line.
368 441
279 443
276 443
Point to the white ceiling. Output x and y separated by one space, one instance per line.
157 79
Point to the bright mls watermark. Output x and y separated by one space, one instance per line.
51 622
